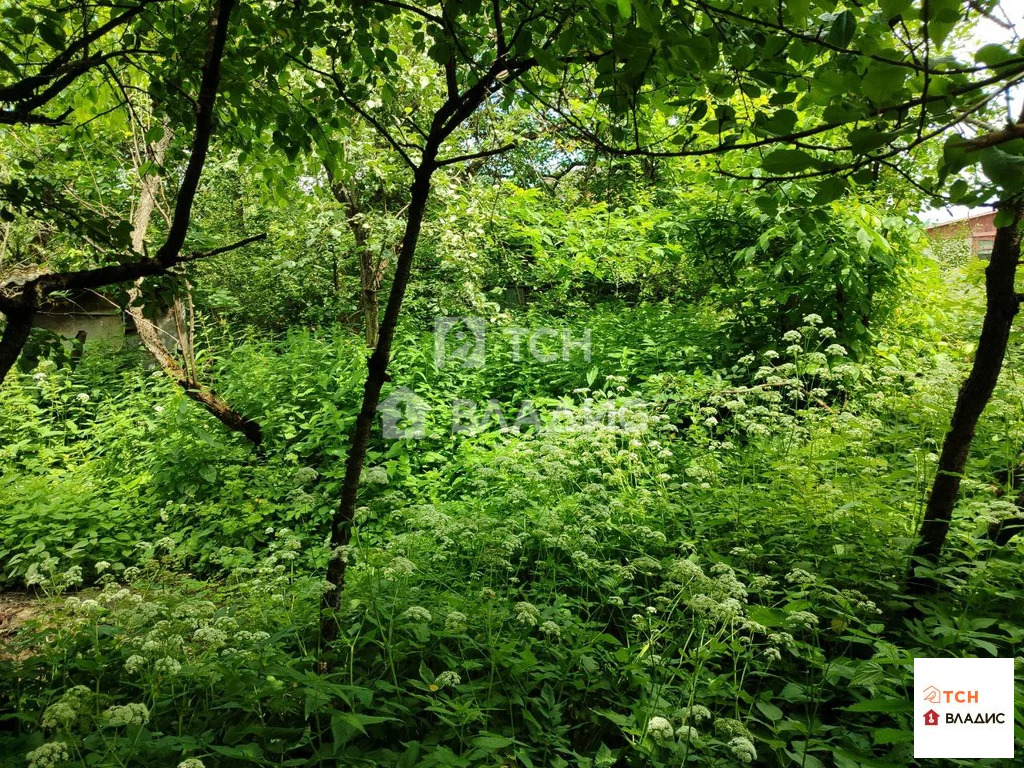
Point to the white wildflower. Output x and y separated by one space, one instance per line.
48 755
167 666
527 613
448 679
800 576
551 629
687 734
400 566
455 622
698 713
418 614
210 636
63 714
126 714
743 749
803 619
660 728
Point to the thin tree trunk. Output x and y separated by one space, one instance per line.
369 273
456 110
19 302
149 333
341 525
1001 305
368 277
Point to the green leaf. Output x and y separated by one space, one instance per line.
491 742
24 24
992 54
8 65
864 140
783 161
882 81
881 705
893 736
805 759
250 752
154 134
440 52
770 711
842 29
1003 218
1003 169
780 123
829 189
52 33
625 8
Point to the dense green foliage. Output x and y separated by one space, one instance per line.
729 566
659 361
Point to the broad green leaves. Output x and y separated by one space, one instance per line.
788 161
842 29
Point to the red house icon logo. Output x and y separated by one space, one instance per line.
931 717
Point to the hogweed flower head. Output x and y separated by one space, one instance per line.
48 755
167 666
418 614
698 713
527 613
660 728
455 622
551 629
743 749
448 679
126 714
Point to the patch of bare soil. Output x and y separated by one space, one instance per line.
15 609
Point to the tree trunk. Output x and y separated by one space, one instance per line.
1001 304
19 302
370 273
370 285
341 525
149 333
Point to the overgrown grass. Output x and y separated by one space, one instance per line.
711 577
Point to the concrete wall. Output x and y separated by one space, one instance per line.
98 318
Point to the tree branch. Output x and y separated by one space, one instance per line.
477 155
205 104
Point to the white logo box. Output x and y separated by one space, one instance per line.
963 708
